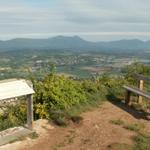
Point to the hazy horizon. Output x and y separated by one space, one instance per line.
84 37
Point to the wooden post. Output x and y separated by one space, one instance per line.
127 97
141 86
30 111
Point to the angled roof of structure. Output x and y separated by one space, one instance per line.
14 88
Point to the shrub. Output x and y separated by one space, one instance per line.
76 119
58 92
134 127
14 115
113 84
142 142
117 122
135 68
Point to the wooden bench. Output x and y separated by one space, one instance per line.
139 91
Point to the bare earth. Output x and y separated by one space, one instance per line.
96 132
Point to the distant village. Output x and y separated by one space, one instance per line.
69 64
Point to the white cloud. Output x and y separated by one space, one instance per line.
24 17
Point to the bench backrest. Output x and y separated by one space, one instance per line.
141 77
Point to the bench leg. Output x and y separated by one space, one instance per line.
127 97
30 111
140 99
141 86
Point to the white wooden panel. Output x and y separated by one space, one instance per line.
14 88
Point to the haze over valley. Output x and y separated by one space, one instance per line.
72 56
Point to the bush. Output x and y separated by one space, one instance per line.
113 84
135 68
76 119
142 142
117 122
14 115
58 92
134 127
61 94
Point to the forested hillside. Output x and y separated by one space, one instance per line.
75 43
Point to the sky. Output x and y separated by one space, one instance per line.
93 20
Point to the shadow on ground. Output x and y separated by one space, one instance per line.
138 114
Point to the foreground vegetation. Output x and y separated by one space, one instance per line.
61 99
141 139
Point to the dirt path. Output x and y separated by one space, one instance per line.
95 133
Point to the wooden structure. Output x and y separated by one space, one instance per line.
139 91
13 88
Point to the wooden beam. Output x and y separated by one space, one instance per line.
137 91
141 77
141 86
127 97
30 111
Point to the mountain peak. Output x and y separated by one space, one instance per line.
72 43
60 37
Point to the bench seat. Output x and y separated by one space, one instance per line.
137 91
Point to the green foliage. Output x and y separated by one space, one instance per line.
58 92
60 122
113 84
120 146
135 68
134 127
33 135
62 94
14 115
90 87
40 111
117 122
142 142
57 95
58 117
76 119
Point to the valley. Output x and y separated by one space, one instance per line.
78 65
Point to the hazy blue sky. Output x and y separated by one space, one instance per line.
90 19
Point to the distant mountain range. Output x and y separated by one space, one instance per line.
74 43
